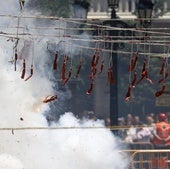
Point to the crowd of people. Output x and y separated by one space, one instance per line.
154 130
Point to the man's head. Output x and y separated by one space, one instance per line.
162 117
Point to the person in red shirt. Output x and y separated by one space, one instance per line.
161 133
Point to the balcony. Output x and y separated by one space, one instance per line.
99 9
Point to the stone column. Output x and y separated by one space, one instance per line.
120 6
165 6
126 4
133 6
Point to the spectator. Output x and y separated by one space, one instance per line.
161 133
168 116
150 123
122 131
149 120
107 121
137 121
129 121
131 135
143 135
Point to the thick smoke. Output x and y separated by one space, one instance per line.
10 162
73 144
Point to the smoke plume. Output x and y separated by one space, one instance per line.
27 142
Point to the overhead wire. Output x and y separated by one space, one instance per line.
78 38
79 21
155 35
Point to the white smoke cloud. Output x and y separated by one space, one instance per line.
9 162
14 7
74 144
65 147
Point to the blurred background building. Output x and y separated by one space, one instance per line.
99 9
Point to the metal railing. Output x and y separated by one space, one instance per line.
148 159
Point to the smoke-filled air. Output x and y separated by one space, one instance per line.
26 139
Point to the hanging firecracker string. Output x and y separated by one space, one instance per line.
162 66
78 69
23 64
89 91
102 61
102 55
110 76
148 66
71 69
96 55
144 73
94 63
16 43
144 70
55 67
55 64
167 67
31 73
132 55
15 60
164 78
93 72
128 94
130 65
130 69
165 72
133 83
101 66
55 61
63 71
65 59
23 69
31 69
160 92
164 69
133 61
69 73
80 65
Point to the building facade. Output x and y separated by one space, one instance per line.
99 9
